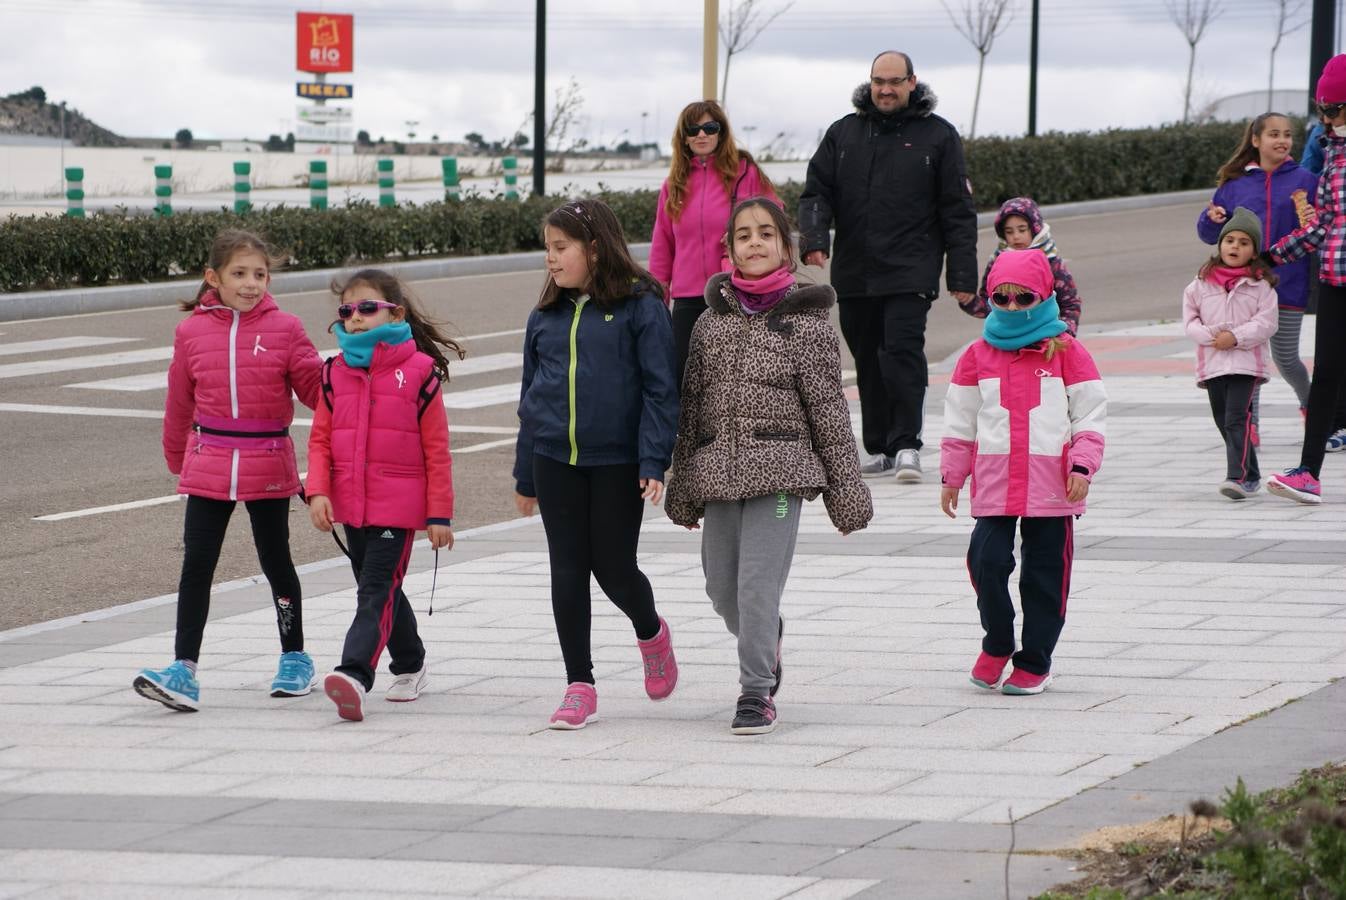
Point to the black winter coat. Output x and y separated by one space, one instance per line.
896 187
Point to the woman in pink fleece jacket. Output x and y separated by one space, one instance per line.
236 360
707 178
1024 417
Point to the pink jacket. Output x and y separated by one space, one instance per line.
1249 312
379 447
228 411
686 252
1020 424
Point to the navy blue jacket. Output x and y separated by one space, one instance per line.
598 387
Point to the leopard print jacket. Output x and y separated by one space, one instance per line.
763 410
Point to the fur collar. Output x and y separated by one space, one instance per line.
920 104
803 298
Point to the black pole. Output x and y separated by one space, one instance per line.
540 103
1322 37
1033 74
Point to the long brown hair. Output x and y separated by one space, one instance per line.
1258 270
778 219
727 156
613 274
1246 153
222 250
426 332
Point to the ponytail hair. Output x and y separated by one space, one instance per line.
222 250
1246 153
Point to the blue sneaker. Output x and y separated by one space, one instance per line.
175 687
295 676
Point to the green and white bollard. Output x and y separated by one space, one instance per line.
451 189
163 190
317 184
511 166
242 187
74 192
386 197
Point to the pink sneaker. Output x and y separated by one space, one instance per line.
1021 682
578 708
1297 485
348 695
988 670
661 669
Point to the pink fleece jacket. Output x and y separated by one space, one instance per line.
1248 311
229 407
1019 424
685 252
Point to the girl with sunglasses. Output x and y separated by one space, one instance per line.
237 360
378 463
709 175
1024 417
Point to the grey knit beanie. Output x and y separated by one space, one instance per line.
1244 220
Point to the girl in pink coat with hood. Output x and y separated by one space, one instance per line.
1024 418
236 361
1230 310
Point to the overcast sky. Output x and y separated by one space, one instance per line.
225 68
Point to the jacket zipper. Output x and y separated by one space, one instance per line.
1266 230
574 367
233 399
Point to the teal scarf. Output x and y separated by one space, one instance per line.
358 348
1014 329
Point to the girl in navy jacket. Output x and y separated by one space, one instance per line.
598 415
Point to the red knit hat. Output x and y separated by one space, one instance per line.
1332 83
1028 268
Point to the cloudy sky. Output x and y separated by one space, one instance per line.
224 68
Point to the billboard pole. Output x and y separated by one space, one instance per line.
710 48
540 102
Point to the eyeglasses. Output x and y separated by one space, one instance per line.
364 307
1005 301
706 128
1330 110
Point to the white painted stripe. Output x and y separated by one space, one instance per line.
115 507
491 362
153 381
115 412
488 445
74 363
476 398
494 334
65 343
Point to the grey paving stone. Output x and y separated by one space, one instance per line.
123 808
350 842
19 653
848 833
545 849
435 817
1101 806
937 875
58 834
751 859
613 823
976 837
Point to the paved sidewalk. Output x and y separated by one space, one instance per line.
888 776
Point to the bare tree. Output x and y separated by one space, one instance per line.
981 22
1287 11
1192 18
740 26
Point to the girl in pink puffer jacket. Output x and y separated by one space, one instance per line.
236 360
1230 310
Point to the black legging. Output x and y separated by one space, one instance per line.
1329 373
203 533
592 516
686 310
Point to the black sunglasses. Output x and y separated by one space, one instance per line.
706 128
1005 301
1330 110
364 307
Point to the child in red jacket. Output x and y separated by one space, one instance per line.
378 463
236 360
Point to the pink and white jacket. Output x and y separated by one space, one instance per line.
228 411
686 252
379 447
1248 311
1020 424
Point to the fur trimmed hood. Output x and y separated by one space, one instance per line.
920 103
817 298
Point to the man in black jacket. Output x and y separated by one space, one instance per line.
891 176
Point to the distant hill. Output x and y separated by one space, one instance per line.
28 112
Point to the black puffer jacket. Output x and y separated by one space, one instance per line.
896 186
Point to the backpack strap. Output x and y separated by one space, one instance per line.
326 381
429 391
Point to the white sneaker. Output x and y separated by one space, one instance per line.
878 466
909 467
408 687
348 695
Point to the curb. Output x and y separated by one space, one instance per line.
75 301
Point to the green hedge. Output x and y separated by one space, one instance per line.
51 252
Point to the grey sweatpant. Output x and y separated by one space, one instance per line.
746 550
1285 353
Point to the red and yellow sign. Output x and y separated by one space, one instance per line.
326 42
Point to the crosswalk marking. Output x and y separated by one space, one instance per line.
477 398
491 362
64 343
81 411
152 381
75 363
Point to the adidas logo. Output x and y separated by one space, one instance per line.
387 533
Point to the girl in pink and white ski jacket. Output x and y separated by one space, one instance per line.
1024 417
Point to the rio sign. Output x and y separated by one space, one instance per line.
326 42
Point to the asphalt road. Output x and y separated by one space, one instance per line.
1129 266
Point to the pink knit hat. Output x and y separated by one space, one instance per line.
1028 268
1332 83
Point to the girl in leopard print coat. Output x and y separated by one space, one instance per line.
764 427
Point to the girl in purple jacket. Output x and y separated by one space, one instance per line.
236 360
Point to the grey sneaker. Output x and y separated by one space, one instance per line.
879 466
909 467
1239 490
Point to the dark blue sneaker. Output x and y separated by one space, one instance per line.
1239 490
755 715
175 687
294 677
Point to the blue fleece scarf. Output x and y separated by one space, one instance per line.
1014 329
358 348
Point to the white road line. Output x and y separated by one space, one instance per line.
73 363
494 334
124 413
491 362
65 343
477 398
488 445
153 381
